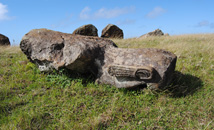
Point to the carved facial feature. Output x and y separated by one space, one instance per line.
140 73
143 74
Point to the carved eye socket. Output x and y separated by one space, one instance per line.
143 74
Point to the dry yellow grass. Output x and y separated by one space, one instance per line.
9 49
198 47
177 44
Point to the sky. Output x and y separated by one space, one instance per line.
134 17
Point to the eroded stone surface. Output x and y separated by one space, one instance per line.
50 49
134 67
123 68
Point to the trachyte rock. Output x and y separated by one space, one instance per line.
86 30
112 31
4 40
49 49
123 68
126 68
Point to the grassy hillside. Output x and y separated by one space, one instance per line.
33 100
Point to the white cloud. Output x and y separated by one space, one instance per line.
125 22
84 14
112 13
205 23
67 21
105 13
157 11
3 12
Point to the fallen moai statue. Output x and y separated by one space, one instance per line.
123 68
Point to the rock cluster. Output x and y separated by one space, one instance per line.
123 68
4 40
110 31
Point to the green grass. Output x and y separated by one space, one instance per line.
30 99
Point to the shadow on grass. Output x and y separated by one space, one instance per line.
63 77
183 85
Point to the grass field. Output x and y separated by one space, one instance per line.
33 100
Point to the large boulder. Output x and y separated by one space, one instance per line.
123 68
4 40
156 32
53 50
112 31
86 30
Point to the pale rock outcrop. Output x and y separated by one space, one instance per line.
156 32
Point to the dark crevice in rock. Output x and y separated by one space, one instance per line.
58 46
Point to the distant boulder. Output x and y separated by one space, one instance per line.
112 31
4 40
86 30
156 32
166 34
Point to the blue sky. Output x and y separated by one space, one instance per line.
135 17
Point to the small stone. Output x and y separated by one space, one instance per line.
23 62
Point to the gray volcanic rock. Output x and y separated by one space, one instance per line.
49 49
123 68
112 31
86 30
156 32
4 40
126 68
